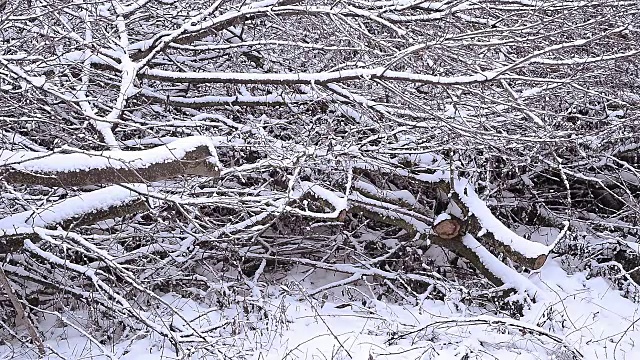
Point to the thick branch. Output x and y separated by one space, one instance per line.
490 231
189 156
478 221
450 235
380 73
85 209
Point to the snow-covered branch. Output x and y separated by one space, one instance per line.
426 153
86 209
188 156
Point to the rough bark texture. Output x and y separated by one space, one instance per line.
14 242
195 162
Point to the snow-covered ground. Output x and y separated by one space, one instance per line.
585 315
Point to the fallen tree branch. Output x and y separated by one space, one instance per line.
189 156
21 315
478 218
89 208
522 328
450 235
379 73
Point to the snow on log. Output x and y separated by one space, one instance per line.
448 232
89 208
478 219
495 234
501 272
194 155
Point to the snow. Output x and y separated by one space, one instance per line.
488 221
544 235
530 92
392 195
338 201
319 77
18 140
508 275
615 115
85 160
479 208
101 199
580 314
392 211
262 3
633 245
440 218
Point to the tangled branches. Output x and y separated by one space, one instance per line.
353 137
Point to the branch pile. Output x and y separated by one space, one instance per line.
148 147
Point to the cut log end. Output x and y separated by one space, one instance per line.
540 260
447 229
342 215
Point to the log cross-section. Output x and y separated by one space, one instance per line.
447 229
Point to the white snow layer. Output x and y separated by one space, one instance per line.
502 233
86 203
580 314
78 161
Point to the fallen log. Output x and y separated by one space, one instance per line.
478 220
194 155
89 208
450 233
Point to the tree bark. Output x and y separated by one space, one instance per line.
71 216
116 170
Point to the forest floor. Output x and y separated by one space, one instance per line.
581 315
